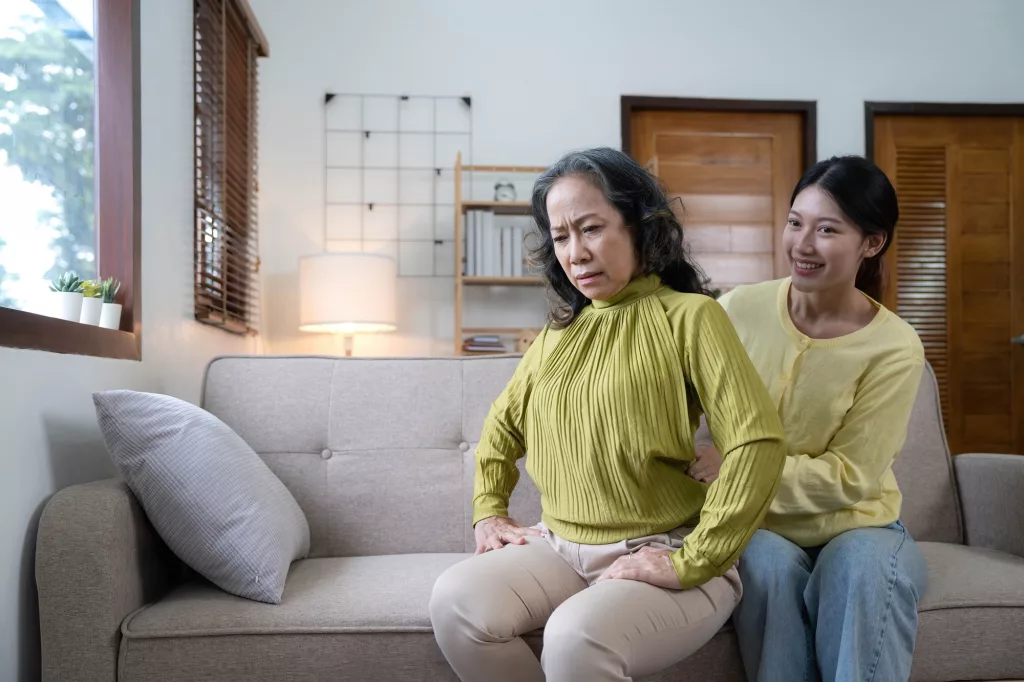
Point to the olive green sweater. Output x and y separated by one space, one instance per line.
607 409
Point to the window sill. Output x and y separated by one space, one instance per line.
19 329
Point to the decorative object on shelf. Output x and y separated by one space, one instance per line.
110 313
525 340
68 296
504 191
92 303
347 294
483 343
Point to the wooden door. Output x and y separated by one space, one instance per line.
734 173
956 270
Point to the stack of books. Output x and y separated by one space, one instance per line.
483 343
494 244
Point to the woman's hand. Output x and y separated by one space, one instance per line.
497 531
646 565
706 466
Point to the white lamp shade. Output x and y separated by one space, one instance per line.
347 293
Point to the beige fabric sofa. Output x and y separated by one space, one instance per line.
379 454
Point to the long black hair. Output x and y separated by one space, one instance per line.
639 197
863 192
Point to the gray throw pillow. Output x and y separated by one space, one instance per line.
211 498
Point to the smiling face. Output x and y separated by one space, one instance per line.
592 243
823 247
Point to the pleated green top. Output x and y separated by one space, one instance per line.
607 409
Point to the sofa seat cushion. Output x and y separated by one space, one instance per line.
356 618
351 594
971 621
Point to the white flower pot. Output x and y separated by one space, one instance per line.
110 316
91 308
67 305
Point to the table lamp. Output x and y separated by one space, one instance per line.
347 294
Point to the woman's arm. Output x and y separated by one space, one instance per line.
871 435
503 440
751 439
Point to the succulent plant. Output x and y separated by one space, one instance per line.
110 288
69 282
92 289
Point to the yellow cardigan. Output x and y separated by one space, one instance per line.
607 409
845 404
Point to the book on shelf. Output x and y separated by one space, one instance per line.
517 250
494 244
483 343
469 253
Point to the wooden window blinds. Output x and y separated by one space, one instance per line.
228 42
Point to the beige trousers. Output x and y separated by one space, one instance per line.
616 630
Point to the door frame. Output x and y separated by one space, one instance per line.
808 111
873 109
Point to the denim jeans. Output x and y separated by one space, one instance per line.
846 611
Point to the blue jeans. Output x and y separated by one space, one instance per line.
846 611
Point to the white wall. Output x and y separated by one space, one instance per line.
47 422
546 77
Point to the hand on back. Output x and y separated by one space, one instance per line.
707 464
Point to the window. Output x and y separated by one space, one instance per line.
227 43
62 117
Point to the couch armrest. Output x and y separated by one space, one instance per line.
97 560
992 496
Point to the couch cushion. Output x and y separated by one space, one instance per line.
373 449
357 618
972 615
353 594
925 473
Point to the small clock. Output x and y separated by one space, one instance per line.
504 191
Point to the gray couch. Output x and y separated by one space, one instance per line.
379 454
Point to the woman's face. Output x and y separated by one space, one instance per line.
592 243
823 247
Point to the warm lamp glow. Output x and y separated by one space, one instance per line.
347 293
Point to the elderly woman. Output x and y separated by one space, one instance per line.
632 567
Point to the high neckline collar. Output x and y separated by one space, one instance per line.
638 288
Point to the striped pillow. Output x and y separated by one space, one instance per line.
211 498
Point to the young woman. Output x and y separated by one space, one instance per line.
606 402
831 584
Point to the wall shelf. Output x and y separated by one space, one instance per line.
481 282
499 207
501 281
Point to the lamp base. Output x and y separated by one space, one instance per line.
346 341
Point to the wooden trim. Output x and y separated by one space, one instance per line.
118 154
117 205
807 109
505 169
257 33
480 280
873 109
19 329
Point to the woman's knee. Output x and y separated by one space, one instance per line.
462 598
870 561
449 594
574 645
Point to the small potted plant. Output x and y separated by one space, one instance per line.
110 314
92 303
68 290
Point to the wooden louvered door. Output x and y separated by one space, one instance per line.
956 271
734 173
